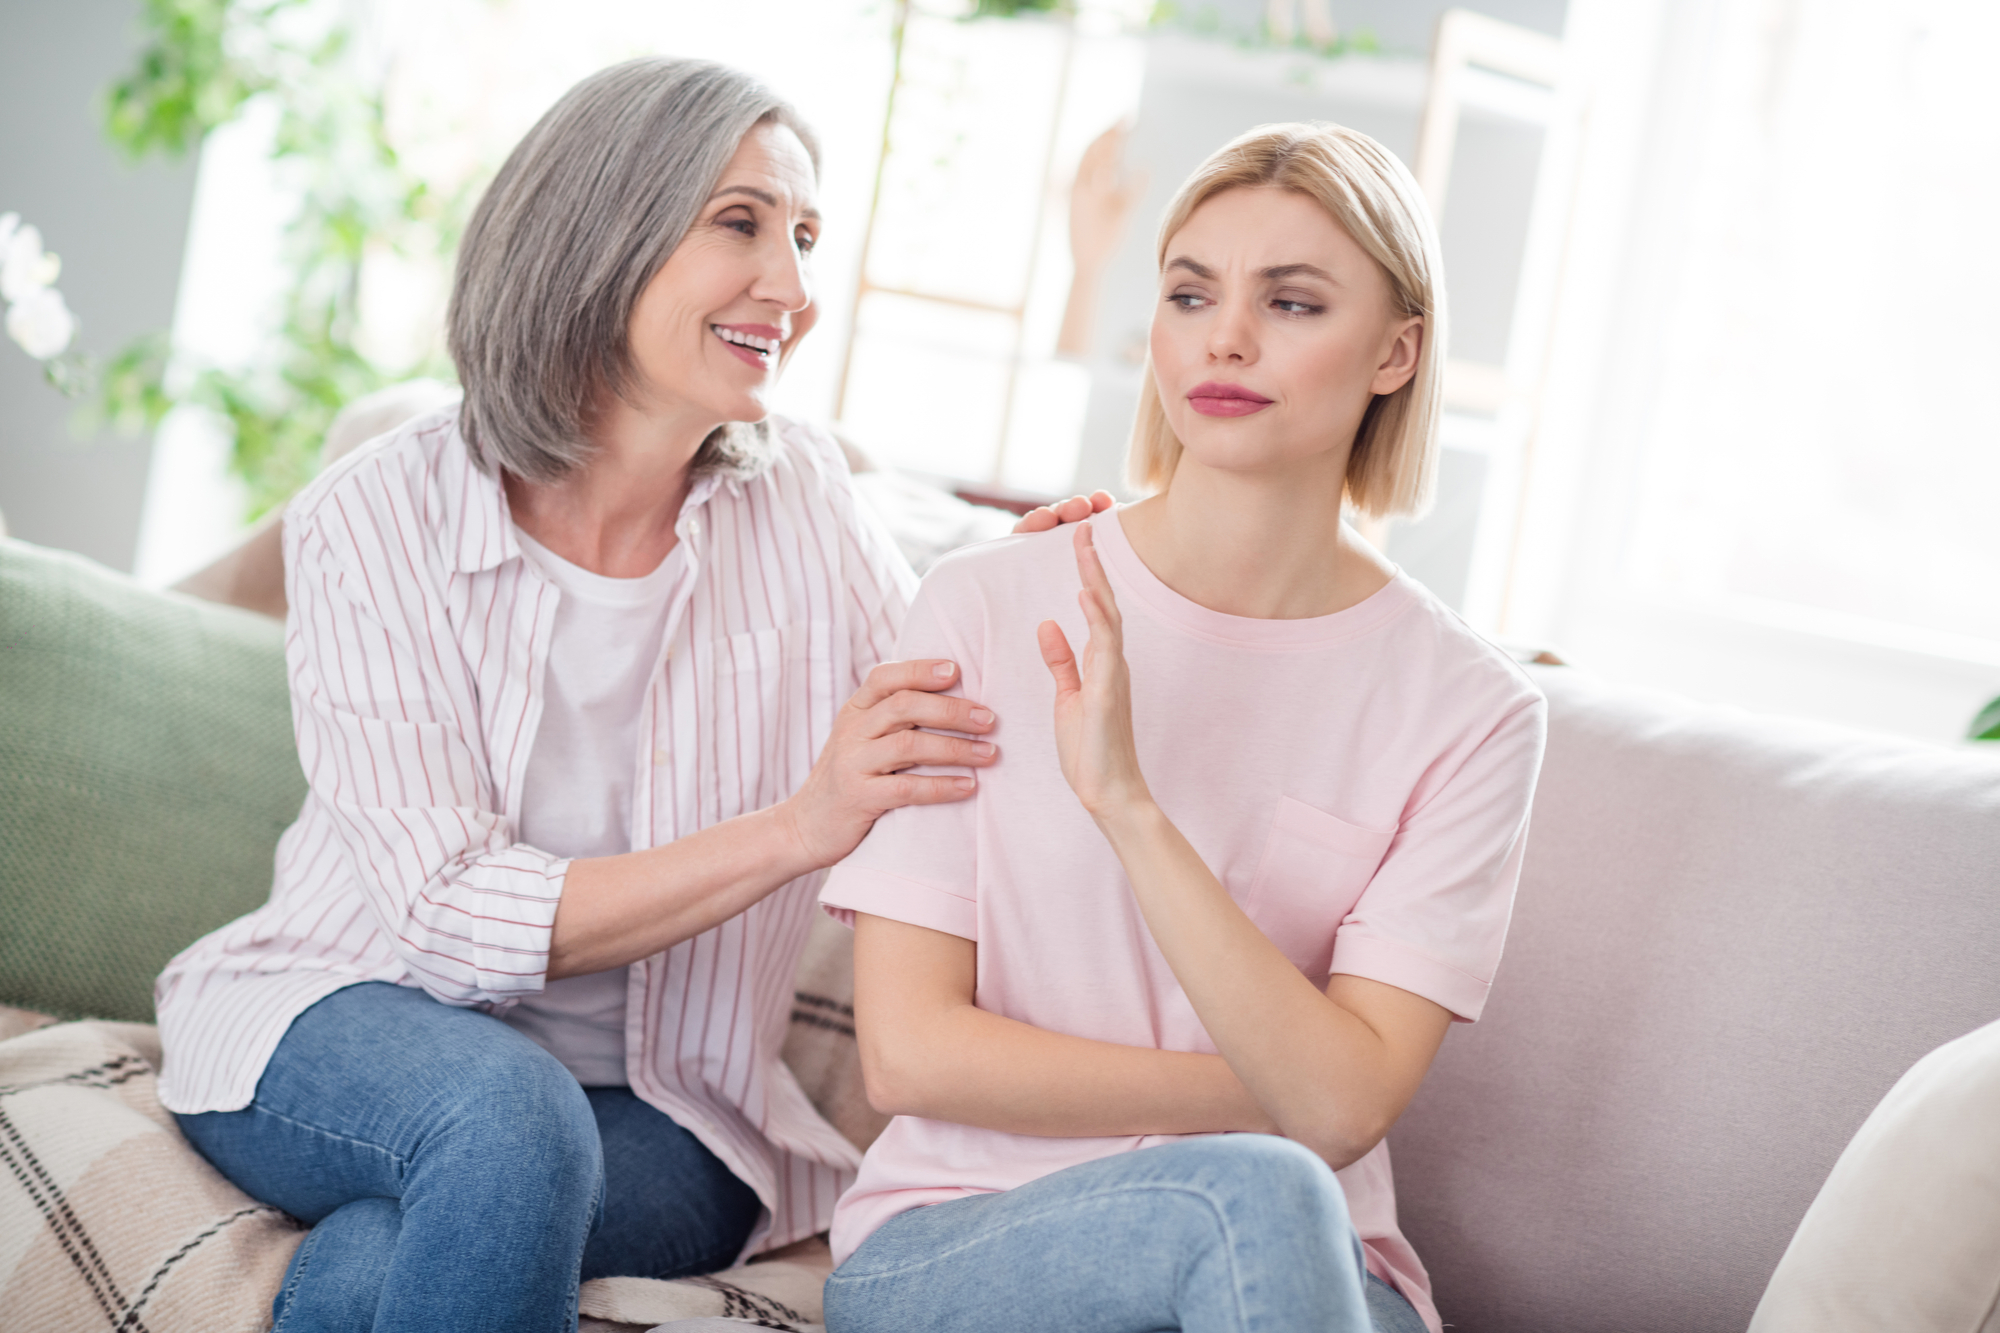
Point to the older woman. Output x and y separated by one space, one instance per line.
561 662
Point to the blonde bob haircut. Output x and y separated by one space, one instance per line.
1393 467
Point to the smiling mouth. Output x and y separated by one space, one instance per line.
757 350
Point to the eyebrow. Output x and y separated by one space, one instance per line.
1275 273
1279 272
764 197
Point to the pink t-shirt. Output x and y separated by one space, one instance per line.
1359 781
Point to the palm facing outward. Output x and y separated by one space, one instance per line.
1093 715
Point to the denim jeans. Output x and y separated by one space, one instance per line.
455 1175
1242 1233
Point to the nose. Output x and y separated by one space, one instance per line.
783 279
1232 333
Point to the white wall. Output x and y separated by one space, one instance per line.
119 230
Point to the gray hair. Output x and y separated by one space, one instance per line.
584 212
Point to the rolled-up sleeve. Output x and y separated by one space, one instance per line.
390 740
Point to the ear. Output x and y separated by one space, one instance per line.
1399 358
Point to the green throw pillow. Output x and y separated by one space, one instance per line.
147 767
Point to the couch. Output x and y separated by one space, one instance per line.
1733 935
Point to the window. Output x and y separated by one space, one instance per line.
1826 433
1771 434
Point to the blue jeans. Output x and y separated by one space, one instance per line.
456 1176
1242 1233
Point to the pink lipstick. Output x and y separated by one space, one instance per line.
1216 399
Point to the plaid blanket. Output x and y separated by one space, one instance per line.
110 1220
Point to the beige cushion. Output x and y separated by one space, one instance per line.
1733 935
1905 1234
819 1046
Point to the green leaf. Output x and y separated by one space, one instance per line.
1006 9
186 82
202 60
1986 727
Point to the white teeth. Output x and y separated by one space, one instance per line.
749 340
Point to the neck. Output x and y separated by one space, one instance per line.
615 515
1264 545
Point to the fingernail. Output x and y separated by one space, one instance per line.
964 784
943 670
981 716
984 749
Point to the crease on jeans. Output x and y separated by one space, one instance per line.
402 1162
1222 1222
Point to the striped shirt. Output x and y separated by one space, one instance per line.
416 645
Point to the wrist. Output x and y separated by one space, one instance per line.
1129 817
784 837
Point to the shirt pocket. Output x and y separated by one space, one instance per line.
773 700
1313 870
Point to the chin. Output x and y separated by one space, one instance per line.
1245 457
744 407
753 409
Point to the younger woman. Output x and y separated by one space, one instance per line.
1146 1005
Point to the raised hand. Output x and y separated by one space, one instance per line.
1093 713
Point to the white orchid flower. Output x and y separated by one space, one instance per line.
41 323
25 267
9 224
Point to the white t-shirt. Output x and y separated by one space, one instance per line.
576 798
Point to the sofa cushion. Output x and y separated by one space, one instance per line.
1906 1232
1733 935
147 768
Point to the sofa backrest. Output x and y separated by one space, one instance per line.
1733 934
147 768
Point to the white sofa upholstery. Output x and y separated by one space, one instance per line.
1733 935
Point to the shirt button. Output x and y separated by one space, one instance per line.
659 757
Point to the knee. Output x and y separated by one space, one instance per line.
521 1105
1263 1172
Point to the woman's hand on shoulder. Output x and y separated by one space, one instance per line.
860 774
1073 510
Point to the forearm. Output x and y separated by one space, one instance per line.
1322 1074
928 1050
972 1067
616 910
